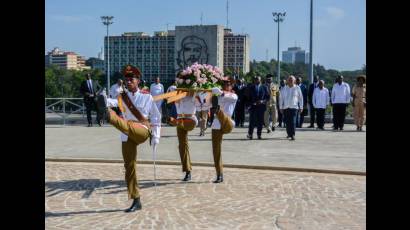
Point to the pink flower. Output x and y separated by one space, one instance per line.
188 81
180 81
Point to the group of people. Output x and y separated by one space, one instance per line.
139 118
134 112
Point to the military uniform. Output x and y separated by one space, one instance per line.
135 130
186 121
271 107
359 109
222 124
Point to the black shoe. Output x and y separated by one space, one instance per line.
341 129
249 137
90 125
219 179
311 126
287 136
273 128
269 131
292 138
280 126
187 176
334 129
259 137
136 205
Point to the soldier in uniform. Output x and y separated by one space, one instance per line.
271 107
359 101
186 121
223 123
139 120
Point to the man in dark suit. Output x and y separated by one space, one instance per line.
258 96
89 89
301 115
239 89
312 88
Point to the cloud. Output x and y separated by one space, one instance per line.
70 18
335 13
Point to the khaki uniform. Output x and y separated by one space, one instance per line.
271 107
223 124
186 121
359 110
137 134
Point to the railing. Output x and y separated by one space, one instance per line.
64 107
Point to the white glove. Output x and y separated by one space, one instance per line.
155 140
216 91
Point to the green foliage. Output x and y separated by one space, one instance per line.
66 83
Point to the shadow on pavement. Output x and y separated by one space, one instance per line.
62 214
91 185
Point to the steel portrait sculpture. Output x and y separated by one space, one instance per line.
193 49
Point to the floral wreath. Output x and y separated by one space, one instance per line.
200 76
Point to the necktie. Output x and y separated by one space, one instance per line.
90 87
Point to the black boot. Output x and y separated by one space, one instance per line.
136 205
187 176
219 178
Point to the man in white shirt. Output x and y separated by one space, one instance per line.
291 102
136 108
186 121
223 122
340 100
203 105
320 100
156 89
115 91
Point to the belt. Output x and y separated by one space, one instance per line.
185 115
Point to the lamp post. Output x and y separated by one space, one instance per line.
310 45
278 17
107 21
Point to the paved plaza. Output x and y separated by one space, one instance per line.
93 195
313 149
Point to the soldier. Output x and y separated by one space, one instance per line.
271 104
186 121
203 104
136 108
223 123
359 101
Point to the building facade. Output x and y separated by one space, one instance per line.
65 60
199 43
95 63
166 52
295 55
154 55
236 52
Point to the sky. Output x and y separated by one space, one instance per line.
339 26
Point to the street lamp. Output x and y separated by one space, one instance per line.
107 21
278 17
310 45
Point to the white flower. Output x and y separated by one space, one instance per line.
188 81
180 81
214 80
194 85
203 75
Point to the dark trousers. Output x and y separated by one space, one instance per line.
320 118
89 106
300 117
280 118
290 120
239 114
339 115
312 115
256 117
